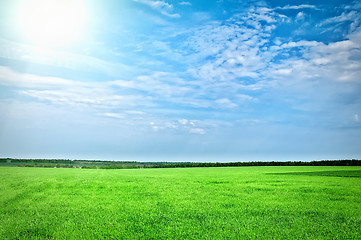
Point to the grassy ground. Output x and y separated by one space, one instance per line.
183 203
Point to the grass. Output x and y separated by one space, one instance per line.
181 203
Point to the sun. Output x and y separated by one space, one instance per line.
52 23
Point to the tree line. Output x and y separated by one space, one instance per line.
66 163
353 162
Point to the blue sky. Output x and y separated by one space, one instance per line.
165 80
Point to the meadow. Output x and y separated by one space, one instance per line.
302 202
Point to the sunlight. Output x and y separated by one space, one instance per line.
52 23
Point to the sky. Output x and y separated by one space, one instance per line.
167 80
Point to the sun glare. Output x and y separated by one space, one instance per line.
52 23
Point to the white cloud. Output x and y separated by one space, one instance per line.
284 71
69 92
233 50
321 61
183 121
302 6
149 90
59 58
300 16
135 112
333 61
250 121
113 115
335 24
161 6
158 4
85 97
193 126
11 78
225 103
155 4
104 100
170 88
350 16
180 126
197 131
245 98
185 3
356 118
239 55
301 43
171 15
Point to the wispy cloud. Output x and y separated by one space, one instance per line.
239 55
237 63
82 97
181 125
356 118
296 7
225 103
234 51
9 77
350 16
348 21
161 6
59 58
127 101
113 115
185 3
68 92
334 24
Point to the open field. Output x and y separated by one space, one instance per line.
181 203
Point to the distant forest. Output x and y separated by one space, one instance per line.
97 164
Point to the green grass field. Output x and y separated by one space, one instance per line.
181 203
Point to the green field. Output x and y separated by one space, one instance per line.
181 203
